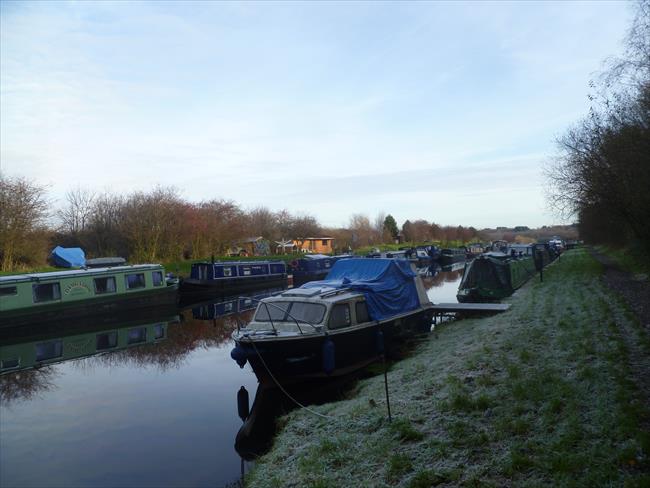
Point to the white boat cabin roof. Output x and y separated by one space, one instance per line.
49 275
319 294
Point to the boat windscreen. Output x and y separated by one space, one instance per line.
311 313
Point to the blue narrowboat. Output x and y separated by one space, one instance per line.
313 267
234 276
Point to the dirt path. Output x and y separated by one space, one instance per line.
635 291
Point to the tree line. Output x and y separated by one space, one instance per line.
601 173
159 225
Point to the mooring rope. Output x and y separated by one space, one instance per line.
285 391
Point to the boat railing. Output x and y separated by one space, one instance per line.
266 305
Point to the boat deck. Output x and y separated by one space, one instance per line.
441 310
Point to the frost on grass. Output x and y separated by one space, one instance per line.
539 395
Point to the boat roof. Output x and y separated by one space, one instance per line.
324 293
74 272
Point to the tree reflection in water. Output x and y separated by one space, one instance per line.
169 353
27 384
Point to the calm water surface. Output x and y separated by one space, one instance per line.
158 414
161 413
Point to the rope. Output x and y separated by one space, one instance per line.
285 391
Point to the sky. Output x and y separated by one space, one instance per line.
441 111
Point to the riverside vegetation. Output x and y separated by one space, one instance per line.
549 393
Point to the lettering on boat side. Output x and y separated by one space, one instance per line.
76 288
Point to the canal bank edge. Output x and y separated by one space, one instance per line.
543 395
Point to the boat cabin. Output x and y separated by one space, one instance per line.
236 269
35 290
308 310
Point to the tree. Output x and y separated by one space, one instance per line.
76 215
23 209
602 171
390 226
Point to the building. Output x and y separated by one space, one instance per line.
315 245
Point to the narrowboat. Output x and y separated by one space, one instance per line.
493 276
19 352
230 277
451 256
336 326
68 294
312 267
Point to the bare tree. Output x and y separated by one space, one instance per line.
23 209
76 215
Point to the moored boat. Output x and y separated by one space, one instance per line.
313 267
451 256
234 276
493 276
68 294
336 326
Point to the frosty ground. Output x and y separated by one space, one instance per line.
550 393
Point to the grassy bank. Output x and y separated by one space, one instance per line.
539 396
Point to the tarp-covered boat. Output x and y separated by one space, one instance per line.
335 326
493 276
68 257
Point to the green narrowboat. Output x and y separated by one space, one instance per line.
60 295
493 276
34 352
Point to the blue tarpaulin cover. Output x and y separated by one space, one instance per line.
387 284
68 257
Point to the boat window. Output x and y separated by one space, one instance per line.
246 271
9 363
339 316
8 290
159 331
157 277
362 312
49 350
312 313
134 281
105 285
136 336
227 271
46 292
106 341
274 311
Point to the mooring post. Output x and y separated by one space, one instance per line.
383 357
541 275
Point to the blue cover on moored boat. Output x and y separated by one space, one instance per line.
68 257
387 284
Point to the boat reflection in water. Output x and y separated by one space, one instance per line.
26 352
441 283
259 425
231 305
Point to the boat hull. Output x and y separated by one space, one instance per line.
447 260
300 278
232 286
164 299
300 358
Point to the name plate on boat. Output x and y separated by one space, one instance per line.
76 288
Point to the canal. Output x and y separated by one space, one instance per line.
155 407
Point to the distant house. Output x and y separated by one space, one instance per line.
253 246
316 245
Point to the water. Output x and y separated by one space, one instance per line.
162 413
442 283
